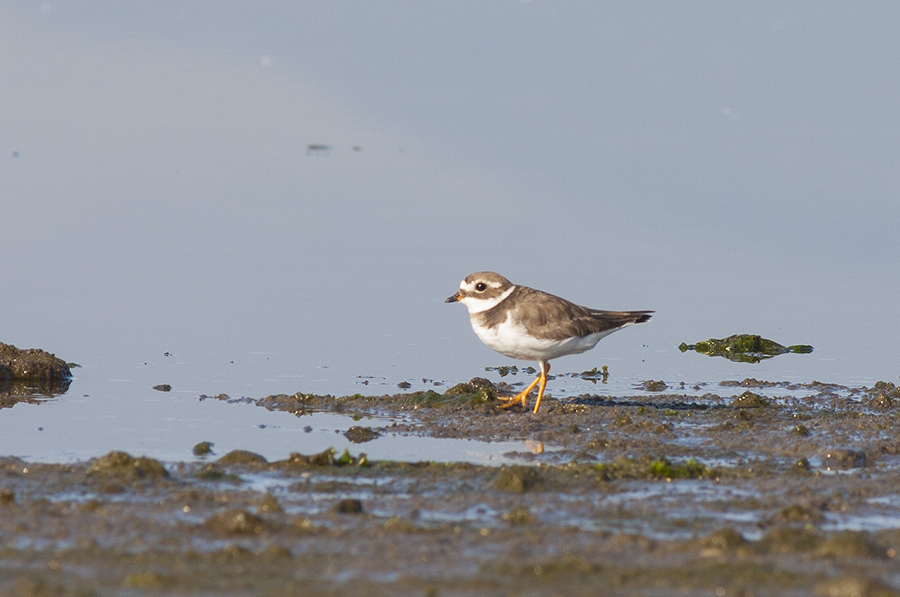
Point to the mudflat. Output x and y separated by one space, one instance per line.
740 488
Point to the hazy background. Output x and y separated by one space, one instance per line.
734 167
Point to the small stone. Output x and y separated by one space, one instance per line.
519 515
800 513
359 435
349 506
749 400
269 505
515 479
235 522
124 466
800 430
802 464
203 448
881 401
7 496
724 539
842 459
241 457
654 386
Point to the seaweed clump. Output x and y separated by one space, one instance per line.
476 391
659 468
123 466
24 371
744 348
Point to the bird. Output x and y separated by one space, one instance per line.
523 323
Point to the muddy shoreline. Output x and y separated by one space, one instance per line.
751 488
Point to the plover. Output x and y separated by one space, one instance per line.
524 323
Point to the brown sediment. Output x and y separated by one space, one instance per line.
666 494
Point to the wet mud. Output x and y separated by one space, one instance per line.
750 488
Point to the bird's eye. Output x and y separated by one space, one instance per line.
481 287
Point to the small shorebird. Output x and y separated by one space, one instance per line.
524 323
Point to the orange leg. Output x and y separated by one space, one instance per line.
545 369
521 396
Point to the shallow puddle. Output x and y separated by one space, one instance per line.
34 432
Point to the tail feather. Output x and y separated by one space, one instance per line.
640 316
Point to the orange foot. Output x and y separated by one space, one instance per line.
520 397
523 395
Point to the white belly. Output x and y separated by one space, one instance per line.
511 339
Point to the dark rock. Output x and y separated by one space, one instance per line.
349 506
235 522
842 458
359 435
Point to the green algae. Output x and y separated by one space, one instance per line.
477 388
595 374
504 370
428 398
478 391
326 458
689 469
745 348
659 468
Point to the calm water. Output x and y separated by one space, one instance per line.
163 219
